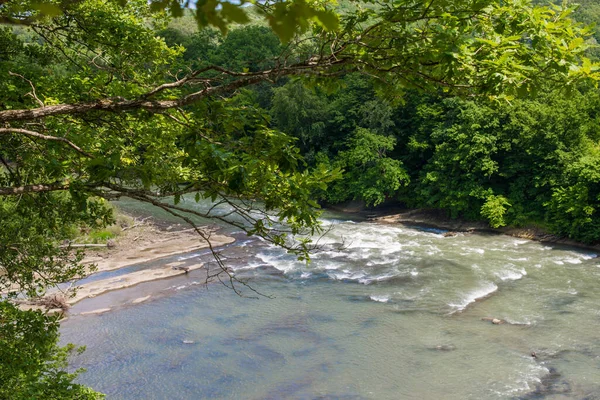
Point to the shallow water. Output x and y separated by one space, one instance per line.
396 313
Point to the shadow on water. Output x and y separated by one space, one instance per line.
550 384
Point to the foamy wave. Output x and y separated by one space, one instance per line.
518 259
532 373
385 260
475 295
518 322
510 274
572 260
380 299
471 250
345 275
329 254
369 280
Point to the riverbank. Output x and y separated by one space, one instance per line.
142 242
434 218
438 219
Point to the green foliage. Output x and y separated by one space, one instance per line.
32 228
494 210
32 365
574 207
251 48
286 18
300 112
369 174
101 235
499 56
510 164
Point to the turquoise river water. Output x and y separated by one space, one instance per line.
394 314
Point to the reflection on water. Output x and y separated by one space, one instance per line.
397 313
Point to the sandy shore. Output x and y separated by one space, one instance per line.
146 243
102 286
139 244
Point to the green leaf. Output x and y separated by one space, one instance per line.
234 13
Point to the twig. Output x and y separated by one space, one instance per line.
32 93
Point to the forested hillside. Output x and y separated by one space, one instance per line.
522 161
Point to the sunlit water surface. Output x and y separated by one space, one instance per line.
394 314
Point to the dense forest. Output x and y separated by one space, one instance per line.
529 161
486 109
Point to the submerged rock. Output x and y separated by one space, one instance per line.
98 311
549 385
444 347
181 268
495 321
140 299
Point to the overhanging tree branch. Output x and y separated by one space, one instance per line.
11 191
45 137
144 103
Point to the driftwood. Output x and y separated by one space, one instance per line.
80 245
136 224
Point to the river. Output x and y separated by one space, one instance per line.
397 313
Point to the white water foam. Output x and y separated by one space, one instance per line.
518 259
381 278
380 299
471 297
471 250
511 274
346 275
572 260
531 374
518 322
280 262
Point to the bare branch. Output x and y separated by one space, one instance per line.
32 93
46 137
11 191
